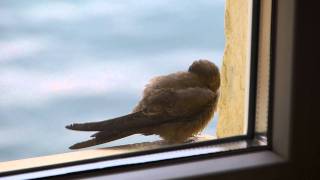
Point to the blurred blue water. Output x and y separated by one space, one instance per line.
69 61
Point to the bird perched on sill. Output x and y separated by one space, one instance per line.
176 107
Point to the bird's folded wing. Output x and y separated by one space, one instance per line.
163 106
178 103
116 123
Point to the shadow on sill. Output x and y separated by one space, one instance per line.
87 154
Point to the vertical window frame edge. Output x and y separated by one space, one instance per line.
254 52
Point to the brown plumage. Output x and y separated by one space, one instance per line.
175 107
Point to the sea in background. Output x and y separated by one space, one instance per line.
68 61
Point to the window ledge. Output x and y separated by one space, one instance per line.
217 148
82 155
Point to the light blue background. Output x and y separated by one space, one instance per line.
67 61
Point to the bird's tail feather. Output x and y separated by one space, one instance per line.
113 129
117 128
127 121
106 137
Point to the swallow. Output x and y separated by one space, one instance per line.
176 107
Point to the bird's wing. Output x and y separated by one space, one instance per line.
176 103
161 106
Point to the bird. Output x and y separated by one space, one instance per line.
176 107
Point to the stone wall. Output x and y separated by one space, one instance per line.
234 71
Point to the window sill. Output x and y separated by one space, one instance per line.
106 159
83 155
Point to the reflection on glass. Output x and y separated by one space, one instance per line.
78 61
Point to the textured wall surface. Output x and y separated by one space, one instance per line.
232 103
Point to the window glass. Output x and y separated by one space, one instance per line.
69 61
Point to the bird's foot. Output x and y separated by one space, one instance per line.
192 139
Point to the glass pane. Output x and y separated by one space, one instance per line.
69 61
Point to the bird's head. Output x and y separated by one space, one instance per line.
208 72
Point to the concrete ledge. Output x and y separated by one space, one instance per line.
86 154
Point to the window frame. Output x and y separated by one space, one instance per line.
279 120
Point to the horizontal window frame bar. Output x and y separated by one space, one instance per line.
213 167
137 158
